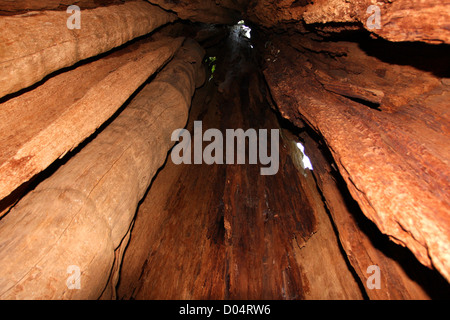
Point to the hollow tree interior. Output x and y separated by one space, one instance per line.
117 179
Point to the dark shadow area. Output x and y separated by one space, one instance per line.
423 56
371 105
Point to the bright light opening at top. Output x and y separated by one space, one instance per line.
244 30
306 162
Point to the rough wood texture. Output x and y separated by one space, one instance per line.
21 6
414 20
206 11
38 127
82 213
394 156
36 44
225 231
402 277
401 20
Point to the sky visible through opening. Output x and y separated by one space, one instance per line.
306 161
245 30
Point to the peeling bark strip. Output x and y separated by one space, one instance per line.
41 125
36 44
82 213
